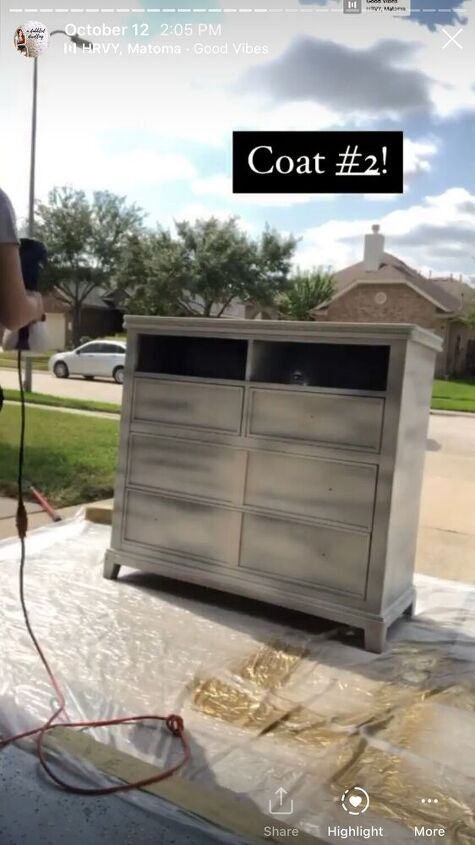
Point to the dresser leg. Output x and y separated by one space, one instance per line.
375 636
111 570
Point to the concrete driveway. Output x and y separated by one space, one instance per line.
101 390
446 539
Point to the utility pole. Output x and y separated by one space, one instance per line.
79 42
28 377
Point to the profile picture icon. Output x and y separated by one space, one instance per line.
20 41
31 39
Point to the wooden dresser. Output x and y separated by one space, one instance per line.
277 460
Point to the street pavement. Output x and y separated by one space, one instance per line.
102 390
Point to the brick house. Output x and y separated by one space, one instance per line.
383 289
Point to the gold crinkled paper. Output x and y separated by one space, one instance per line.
396 787
264 715
272 664
404 682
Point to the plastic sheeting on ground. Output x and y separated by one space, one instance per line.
267 704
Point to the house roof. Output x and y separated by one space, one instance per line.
461 291
96 298
393 269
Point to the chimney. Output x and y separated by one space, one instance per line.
373 250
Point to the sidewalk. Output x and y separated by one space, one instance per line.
102 414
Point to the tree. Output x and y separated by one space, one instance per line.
85 241
307 290
202 269
469 319
113 221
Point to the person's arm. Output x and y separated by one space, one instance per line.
18 307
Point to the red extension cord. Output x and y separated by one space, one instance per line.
173 722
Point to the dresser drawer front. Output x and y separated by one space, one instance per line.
320 556
186 528
345 421
308 487
203 406
189 468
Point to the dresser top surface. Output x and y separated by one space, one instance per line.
285 330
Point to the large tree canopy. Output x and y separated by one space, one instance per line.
202 268
85 241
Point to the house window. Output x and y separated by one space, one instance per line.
380 298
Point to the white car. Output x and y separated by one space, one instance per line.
101 358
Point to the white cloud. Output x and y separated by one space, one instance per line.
195 211
384 197
418 154
118 171
436 233
86 100
304 116
220 185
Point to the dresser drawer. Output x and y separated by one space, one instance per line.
204 406
345 421
308 487
189 468
186 528
320 556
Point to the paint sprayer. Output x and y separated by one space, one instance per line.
32 339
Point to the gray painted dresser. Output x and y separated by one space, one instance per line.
277 460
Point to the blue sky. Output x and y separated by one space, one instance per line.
158 127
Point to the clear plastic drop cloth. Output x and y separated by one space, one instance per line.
267 705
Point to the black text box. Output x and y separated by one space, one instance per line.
317 162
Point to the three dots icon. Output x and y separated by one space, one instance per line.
429 800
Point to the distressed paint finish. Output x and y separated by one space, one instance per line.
200 406
342 421
288 493
332 491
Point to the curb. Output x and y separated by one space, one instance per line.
100 512
435 412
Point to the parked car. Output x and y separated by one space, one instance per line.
101 358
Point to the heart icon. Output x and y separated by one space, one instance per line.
355 800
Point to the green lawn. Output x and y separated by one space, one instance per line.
456 395
9 361
63 402
71 459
